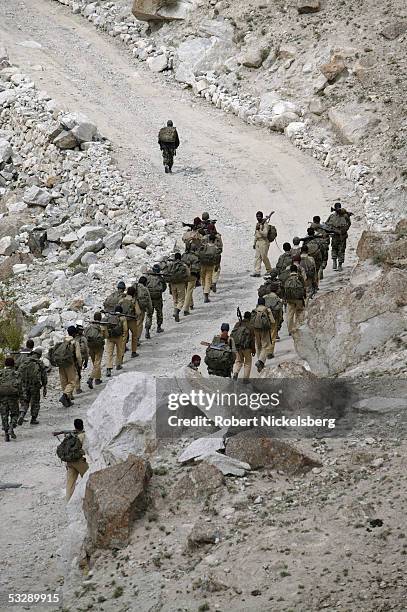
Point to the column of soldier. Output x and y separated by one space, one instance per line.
119 325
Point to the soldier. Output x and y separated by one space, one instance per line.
339 221
192 238
84 351
191 259
67 357
286 259
156 287
114 298
323 236
78 467
221 354
296 250
211 230
96 335
245 342
265 331
131 308
33 376
314 251
24 353
143 298
195 363
116 339
276 305
206 222
263 237
178 274
208 256
168 140
310 269
10 393
294 291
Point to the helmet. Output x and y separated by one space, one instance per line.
156 268
296 240
170 123
205 216
121 285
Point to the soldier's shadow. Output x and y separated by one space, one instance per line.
188 170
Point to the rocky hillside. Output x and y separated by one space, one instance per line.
329 75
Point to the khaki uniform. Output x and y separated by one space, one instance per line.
68 375
244 356
262 246
216 268
74 469
146 306
96 355
84 351
265 339
295 309
178 295
189 294
132 307
119 343
207 277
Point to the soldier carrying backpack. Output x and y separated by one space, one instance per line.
294 291
221 354
10 393
156 286
116 339
168 140
209 257
244 338
96 334
71 452
33 375
177 274
66 356
265 331
114 298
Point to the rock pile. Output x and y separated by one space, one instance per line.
286 71
67 213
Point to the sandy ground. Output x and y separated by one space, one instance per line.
223 166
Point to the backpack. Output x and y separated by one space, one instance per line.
294 289
308 267
9 383
269 287
94 336
192 261
315 253
272 233
143 299
168 135
30 372
70 448
339 223
193 239
242 335
275 304
128 306
209 254
115 327
219 357
177 272
155 286
62 354
284 261
260 320
112 301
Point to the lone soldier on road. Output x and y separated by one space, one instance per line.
169 142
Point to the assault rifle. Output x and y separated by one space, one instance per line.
342 211
239 314
64 432
117 314
217 347
190 225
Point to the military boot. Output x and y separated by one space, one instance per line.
89 382
213 287
12 434
334 264
108 372
20 419
34 421
119 367
159 329
166 169
186 313
6 436
206 298
148 336
65 401
134 354
340 269
176 314
259 365
98 381
235 376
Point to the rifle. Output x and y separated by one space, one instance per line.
117 314
190 225
217 347
269 216
239 314
342 210
64 432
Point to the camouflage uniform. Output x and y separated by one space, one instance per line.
156 300
9 408
169 149
340 223
33 377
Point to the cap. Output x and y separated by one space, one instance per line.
210 227
195 358
71 330
296 240
225 327
197 220
121 285
156 268
205 216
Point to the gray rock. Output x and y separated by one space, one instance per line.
308 6
91 232
352 122
202 447
91 246
89 259
7 97
227 465
158 63
5 150
394 30
78 281
38 329
37 196
39 305
8 246
66 140
113 241
19 269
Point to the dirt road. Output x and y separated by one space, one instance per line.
223 166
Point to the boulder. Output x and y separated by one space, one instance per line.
308 6
202 534
115 497
6 267
276 454
7 97
113 241
280 122
85 131
37 196
229 466
200 54
91 232
39 328
351 122
295 128
202 447
19 269
201 482
66 140
342 327
333 69
159 63
91 246
394 30
69 238
78 282
161 10
8 246
254 54
5 150
120 420
39 305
